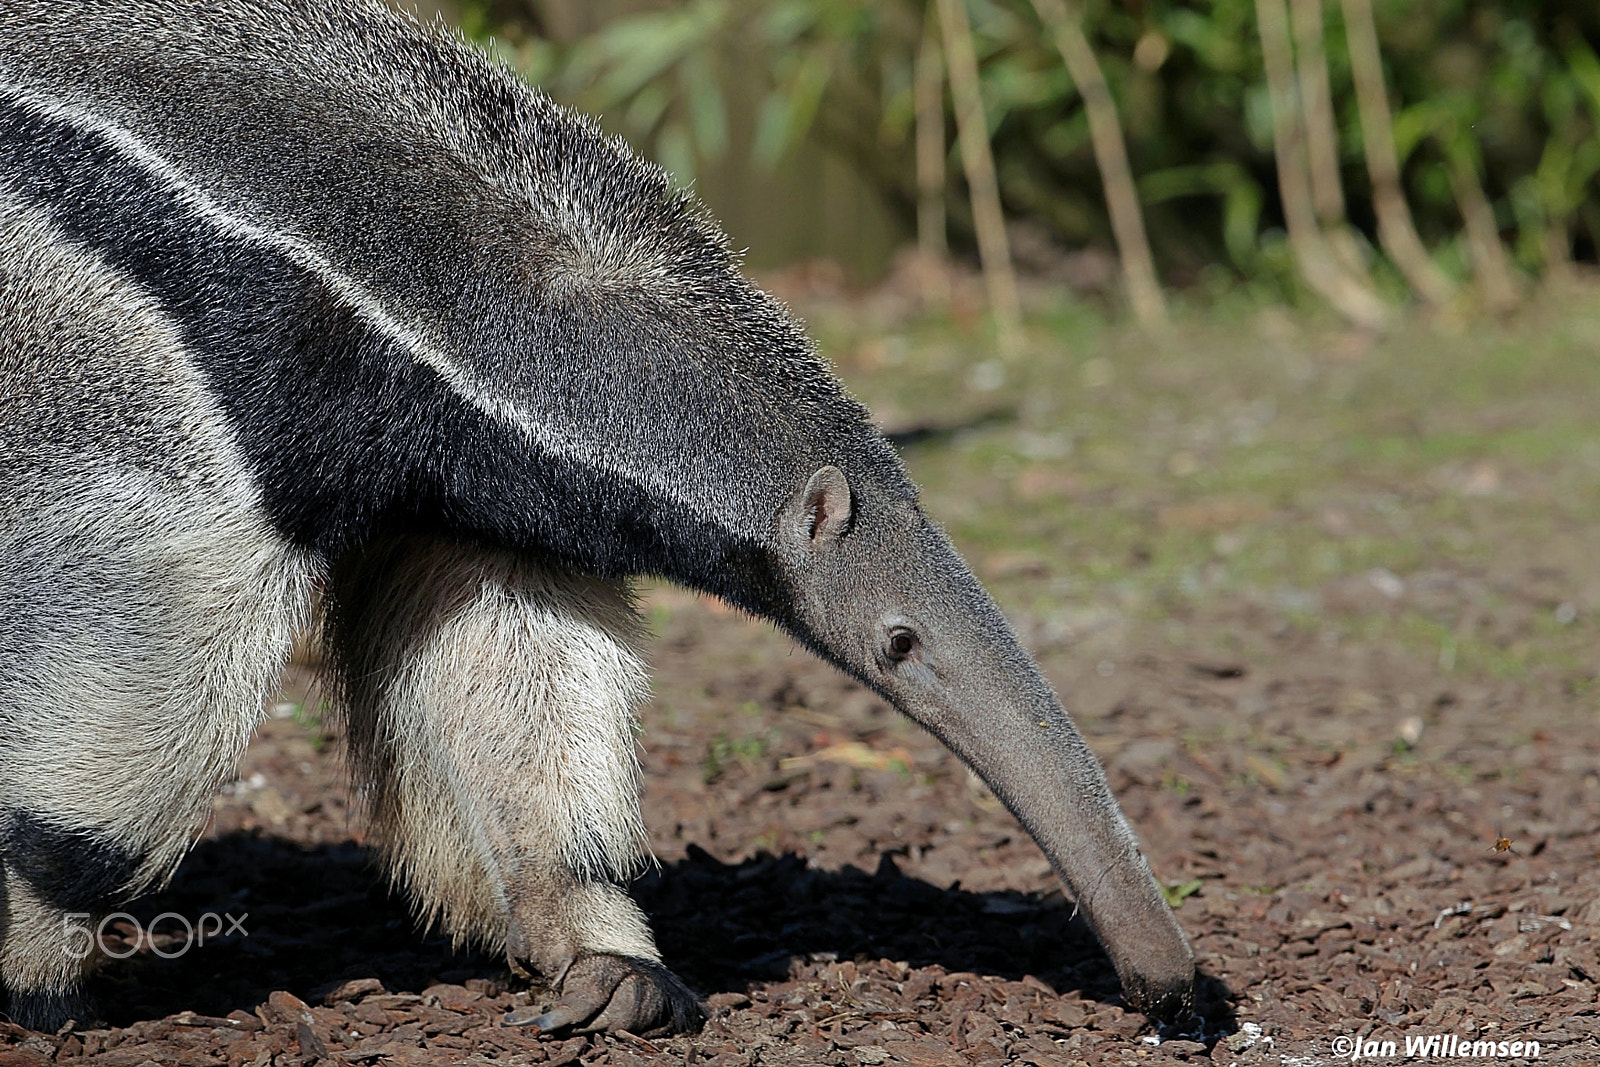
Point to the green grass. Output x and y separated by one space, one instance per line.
723 751
1176 893
1264 457
312 721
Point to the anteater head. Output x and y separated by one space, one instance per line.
877 588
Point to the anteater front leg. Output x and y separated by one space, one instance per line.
141 624
490 704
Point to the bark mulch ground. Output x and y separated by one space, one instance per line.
844 893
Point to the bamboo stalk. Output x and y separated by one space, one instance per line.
932 242
1491 263
1352 299
1322 141
1316 105
1555 248
1111 155
978 161
1396 231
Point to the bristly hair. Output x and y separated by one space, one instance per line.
345 210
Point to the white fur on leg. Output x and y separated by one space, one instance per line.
491 704
41 953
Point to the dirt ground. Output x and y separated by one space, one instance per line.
1327 809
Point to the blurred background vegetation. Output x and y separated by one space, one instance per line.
1265 144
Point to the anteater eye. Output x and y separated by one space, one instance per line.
901 644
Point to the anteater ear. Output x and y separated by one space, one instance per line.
824 511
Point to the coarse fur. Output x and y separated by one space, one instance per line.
426 635
305 295
146 605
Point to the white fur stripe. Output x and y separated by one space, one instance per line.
410 336
355 296
114 305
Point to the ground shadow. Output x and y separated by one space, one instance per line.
313 917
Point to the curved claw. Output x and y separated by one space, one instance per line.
551 1020
602 992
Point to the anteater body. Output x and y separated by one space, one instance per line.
304 303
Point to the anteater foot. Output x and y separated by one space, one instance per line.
601 992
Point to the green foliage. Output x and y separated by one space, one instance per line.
1266 461
1509 93
313 721
1514 94
1178 892
724 751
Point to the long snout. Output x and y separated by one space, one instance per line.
1007 725
885 595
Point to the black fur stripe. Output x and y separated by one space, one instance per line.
48 1012
73 870
347 434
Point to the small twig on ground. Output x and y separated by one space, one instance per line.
896 1016
637 1040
